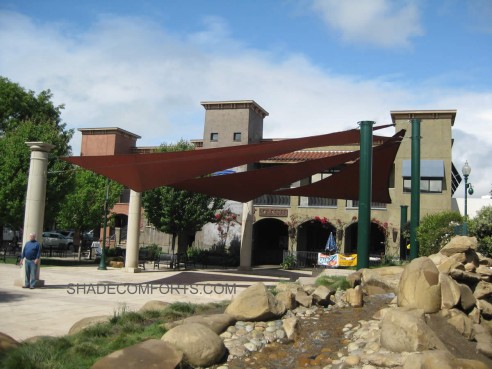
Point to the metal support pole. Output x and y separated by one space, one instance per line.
415 192
365 191
465 222
102 264
403 223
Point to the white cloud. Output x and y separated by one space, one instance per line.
383 23
134 74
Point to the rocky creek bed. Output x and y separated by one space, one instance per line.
323 338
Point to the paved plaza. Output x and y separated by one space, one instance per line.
75 292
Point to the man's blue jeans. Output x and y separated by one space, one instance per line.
30 273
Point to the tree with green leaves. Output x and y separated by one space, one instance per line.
177 212
436 230
24 117
481 227
83 208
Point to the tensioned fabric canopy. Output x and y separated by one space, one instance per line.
344 184
142 172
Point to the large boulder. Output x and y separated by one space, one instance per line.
154 305
467 300
440 359
459 244
287 298
321 295
87 322
463 324
405 329
485 308
255 303
148 354
450 291
291 327
483 290
353 296
381 280
7 342
419 286
483 336
216 322
200 345
303 298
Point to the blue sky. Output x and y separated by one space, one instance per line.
316 66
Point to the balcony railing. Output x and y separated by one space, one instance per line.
319 202
274 200
374 205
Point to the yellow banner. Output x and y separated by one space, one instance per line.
347 260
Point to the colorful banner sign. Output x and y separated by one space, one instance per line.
336 260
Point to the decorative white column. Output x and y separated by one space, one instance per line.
246 236
35 199
133 235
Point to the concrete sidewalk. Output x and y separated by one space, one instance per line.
75 292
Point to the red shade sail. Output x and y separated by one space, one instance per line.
142 172
345 184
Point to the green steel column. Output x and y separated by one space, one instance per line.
415 194
365 191
403 223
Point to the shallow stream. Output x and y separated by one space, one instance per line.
318 342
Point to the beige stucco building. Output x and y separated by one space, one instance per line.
230 123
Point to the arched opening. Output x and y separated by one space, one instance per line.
313 235
351 238
270 239
377 240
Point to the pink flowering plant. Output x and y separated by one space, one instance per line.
225 220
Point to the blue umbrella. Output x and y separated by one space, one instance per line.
331 245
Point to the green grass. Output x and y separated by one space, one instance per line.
82 350
333 282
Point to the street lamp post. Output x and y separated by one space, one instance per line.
466 170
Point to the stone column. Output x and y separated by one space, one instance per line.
246 236
35 198
133 235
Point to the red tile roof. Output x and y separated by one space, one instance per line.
304 155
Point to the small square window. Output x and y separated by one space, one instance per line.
214 136
237 137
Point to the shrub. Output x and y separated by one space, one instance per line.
436 230
481 227
153 251
289 262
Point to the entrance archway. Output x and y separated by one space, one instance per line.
270 239
313 235
377 241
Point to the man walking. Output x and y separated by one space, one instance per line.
31 253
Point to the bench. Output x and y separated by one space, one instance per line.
174 261
165 259
143 258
